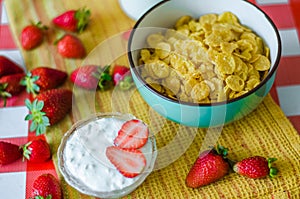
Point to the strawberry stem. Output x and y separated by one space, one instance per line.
39 119
273 171
83 17
126 83
41 26
59 37
105 79
26 151
42 197
30 82
221 150
3 94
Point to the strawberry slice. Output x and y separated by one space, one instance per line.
129 162
132 135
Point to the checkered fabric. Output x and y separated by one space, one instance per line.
16 179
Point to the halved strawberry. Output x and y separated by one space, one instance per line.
129 162
132 135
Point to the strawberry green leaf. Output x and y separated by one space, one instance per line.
30 82
273 171
105 79
3 94
83 17
39 105
26 151
126 83
28 117
221 150
39 120
33 126
40 25
41 197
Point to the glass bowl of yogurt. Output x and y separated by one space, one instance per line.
82 159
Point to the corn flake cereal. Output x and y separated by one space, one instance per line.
210 59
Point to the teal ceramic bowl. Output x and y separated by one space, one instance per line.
163 16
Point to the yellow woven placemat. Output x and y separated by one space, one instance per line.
266 131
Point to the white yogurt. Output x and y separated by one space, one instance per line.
85 159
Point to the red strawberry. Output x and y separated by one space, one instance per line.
10 85
73 20
122 77
84 76
48 108
9 153
255 167
37 151
118 73
132 135
70 46
32 36
13 83
209 167
126 34
91 77
8 67
129 162
43 78
46 185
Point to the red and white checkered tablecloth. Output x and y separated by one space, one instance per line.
16 179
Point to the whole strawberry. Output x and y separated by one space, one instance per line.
13 83
9 153
37 151
92 77
210 166
8 67
48 108
70 46
73 20
32 36
46 186
255 167
43 78
10 86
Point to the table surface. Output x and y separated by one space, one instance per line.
286 90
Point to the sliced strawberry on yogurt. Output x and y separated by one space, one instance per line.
132 135
129 162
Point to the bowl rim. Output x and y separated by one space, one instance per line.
252 91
